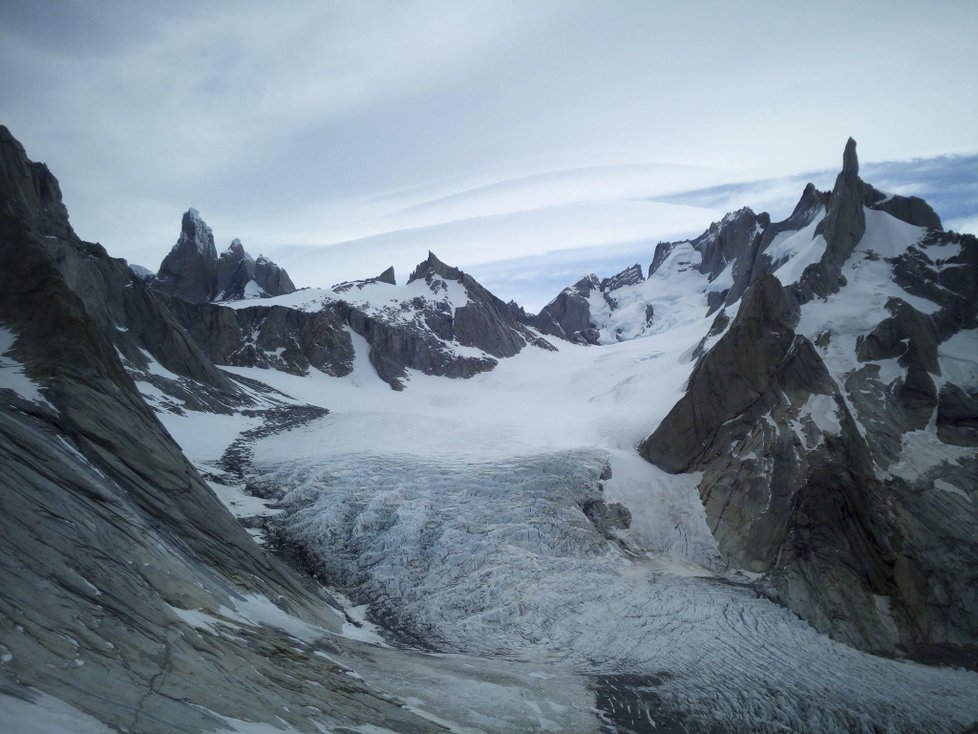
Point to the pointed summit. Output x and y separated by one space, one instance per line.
31 190
189 271
193 272
387 276
842 228
850 161
433 265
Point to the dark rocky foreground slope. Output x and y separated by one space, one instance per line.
836 458
836 450
126 588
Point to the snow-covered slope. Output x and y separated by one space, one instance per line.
507 514
802 394
479 516
836 455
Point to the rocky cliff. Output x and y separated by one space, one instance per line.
240 276
193 272
120 571
814 415
442 322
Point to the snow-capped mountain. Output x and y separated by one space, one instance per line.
733 493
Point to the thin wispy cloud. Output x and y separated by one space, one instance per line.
311 124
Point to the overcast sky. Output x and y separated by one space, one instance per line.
501 129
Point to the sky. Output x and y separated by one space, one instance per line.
511 138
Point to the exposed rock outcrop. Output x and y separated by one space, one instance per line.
842 227
193 272
428 331
122 307
424 340
30 191
239 276
844 487
484 322
568 316
120 570
269 337
629 276
189 271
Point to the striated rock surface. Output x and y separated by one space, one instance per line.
731 378
484 321
193 272
442 322
826 418
189 271
121 305
269 337
120 568
568 316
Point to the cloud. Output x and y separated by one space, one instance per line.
314 123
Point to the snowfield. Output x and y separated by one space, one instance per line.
478 518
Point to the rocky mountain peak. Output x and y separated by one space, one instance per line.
30 190
629 276
432 265
236 249
726 240
842 228
195 233
272 278
189 271
850 161
387 276
193 272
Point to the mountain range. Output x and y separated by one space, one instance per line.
730 489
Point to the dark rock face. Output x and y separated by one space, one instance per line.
193 272
269 337
109 538
790 489
271 278
629 276
485 321
812 205
239 276
30 190
729 379
189 271
568 316
235 269
727 240
662 251
120 305
387 276
842 228
394 348
805 474
910 209
421 334
957 416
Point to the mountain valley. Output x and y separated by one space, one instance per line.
730 489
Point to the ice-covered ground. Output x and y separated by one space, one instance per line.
455 511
